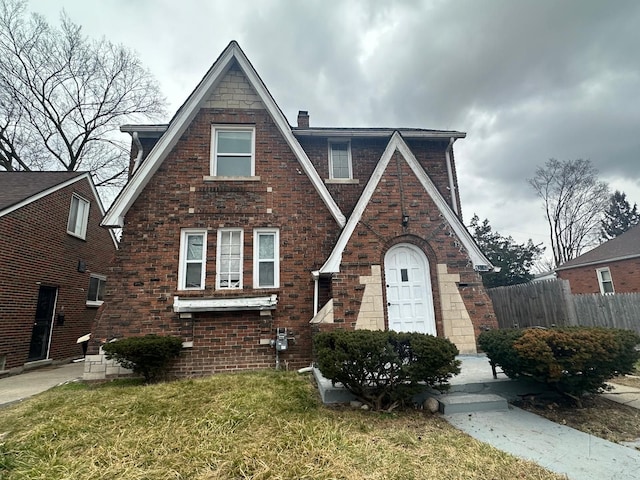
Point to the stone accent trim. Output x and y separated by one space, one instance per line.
325 315
234 91
371 313
97 367
455 317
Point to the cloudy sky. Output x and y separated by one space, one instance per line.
527 80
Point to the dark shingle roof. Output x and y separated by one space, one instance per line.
16 187
622 247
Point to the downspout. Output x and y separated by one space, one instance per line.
138 159
316 278
452 187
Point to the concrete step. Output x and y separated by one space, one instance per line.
471 402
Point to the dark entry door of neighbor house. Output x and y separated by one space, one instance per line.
39 346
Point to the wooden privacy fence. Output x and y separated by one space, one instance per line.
550 303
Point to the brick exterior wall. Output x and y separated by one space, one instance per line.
38 251
181 194
625 275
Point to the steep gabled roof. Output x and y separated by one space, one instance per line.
18 189
332 265
185 115
622 247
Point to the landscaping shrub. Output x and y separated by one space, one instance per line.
572 360
383 368
149 356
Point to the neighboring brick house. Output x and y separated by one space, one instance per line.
237 226
53 265
613 267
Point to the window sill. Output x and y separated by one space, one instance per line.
210 178
94 303
190 304
76 235
346 181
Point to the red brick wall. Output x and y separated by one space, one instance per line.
37 251
381 227
146 268
144 277
624 273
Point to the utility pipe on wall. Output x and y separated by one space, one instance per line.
452 188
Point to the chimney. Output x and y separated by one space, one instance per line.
303 119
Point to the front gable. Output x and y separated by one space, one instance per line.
386 181
211 93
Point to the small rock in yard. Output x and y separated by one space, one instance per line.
431 405
355 404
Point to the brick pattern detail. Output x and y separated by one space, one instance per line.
234 91
625 275
371 312
40 252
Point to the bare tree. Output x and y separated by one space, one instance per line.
574 201
63 97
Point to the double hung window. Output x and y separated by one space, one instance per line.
78 217
340 159
233 152
193 254
97 284
266 258
605 280
229 258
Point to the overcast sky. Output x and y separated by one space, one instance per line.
527 80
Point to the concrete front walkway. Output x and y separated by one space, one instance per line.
18 387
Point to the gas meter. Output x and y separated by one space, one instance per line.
282 343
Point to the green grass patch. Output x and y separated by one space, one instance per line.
265 425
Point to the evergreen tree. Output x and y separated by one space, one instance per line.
515 260
618 217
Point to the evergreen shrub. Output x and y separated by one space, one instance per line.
572 360
384 368
149 356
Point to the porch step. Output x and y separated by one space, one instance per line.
471 402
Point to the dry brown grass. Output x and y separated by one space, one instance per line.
265 425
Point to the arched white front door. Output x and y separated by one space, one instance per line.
409 296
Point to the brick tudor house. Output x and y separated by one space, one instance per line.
237 226
53 264
613 267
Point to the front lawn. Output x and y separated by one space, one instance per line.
266 425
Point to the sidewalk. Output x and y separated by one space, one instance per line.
18 387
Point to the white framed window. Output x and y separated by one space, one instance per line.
78 217
232 151
266 258
97 284
605 281
193 255
229 258
340 159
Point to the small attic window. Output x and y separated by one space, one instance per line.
78 217
232 151
340 159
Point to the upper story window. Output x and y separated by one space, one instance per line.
97 284
232 152
78 217
266 258
229 258
340 159
605 280
193 254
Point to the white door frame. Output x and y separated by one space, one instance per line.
408 287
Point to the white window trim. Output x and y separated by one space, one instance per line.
101 278
214 149
601 282
218 245
85 221
335 141
256 260
182 265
